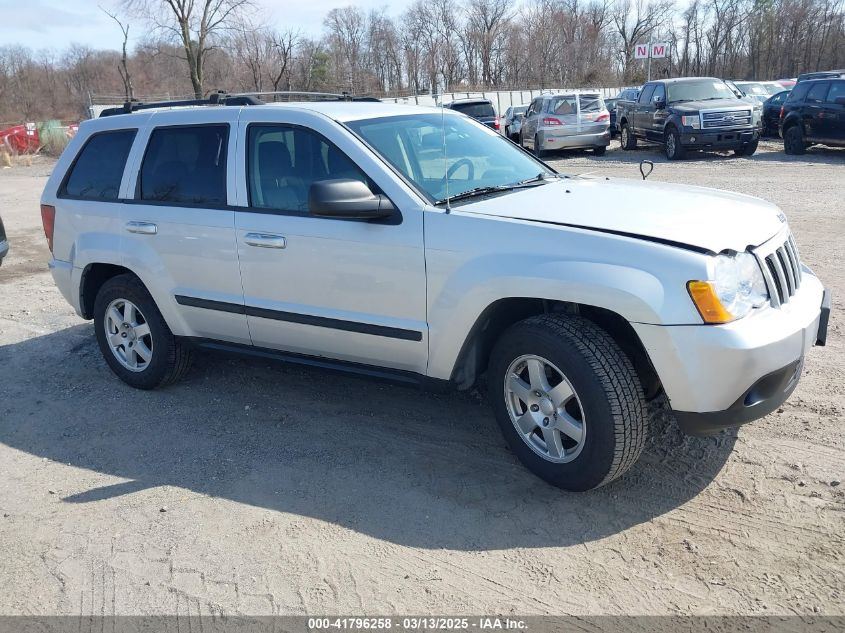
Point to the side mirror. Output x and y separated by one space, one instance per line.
344 198
660 102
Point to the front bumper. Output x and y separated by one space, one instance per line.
717 376
729 139
556 140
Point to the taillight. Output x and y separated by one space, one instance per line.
550 120
48 220
603 117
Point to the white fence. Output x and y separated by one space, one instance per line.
501 100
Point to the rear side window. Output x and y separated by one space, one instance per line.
186 165
475 109
562 105
798 92
98 169
837 91
818 92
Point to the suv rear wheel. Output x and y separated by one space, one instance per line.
134 338
568 401
793 141
599 150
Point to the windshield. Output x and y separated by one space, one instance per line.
699 90
474 157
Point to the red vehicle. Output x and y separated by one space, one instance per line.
26 138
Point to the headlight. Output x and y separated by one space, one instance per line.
691 121
737 288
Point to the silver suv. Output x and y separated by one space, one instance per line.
417 244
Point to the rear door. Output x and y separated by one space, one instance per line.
813 112
643 109
178 223
833 112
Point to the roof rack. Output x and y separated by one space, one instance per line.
215 98
298 95
222 97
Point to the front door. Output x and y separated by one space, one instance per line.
347 290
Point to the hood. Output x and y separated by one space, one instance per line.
705 219
712 104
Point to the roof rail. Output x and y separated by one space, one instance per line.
215 98
298 95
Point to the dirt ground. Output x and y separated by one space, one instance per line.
262 488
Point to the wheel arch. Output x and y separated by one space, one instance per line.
497 317
94 275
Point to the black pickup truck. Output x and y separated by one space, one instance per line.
689 114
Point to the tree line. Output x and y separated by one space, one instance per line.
192 47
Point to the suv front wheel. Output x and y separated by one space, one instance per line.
134 338
568 401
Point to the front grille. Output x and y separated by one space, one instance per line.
781 269
725 119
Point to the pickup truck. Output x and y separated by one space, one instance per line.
690 114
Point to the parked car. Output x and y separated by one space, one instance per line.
4 244
513 121
759 91
479 109
822 74
771 112
814 114
690 114
575 298
610 104
566 121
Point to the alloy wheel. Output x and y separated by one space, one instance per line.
128 335
544 408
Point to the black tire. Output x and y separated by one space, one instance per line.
672 144
171 357
599 150
539 152
793 141
610 394
748 149
626 137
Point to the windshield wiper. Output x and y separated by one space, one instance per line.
539 179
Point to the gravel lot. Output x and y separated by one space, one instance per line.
261 488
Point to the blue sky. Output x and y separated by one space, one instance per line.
58 23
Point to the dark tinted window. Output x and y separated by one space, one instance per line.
659 91
645 95
818 92
186 165
475 109
778 98
798 92
98 169
283 163
837 91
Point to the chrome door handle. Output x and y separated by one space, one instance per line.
144 228
264 240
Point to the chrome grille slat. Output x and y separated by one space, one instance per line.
781 268
787 269
715 119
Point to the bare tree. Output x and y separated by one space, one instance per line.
196 24
488 20
123 69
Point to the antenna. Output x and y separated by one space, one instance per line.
445 158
